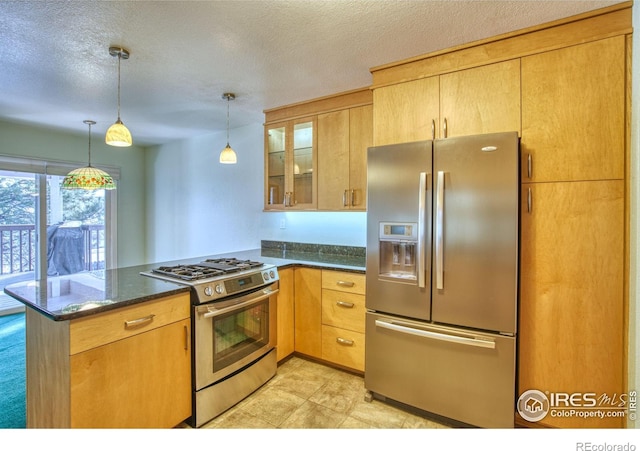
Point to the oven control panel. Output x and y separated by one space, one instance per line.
238 283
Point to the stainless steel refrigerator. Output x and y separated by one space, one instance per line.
442 276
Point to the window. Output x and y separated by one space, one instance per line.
78 227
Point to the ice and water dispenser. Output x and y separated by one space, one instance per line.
399 251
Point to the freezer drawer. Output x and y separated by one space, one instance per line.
468 377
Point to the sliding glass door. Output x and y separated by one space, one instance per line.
46 231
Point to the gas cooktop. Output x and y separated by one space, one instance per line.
214 279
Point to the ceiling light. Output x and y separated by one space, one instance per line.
88 177
118 135
228 155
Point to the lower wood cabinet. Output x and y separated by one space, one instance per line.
286 314
129 368
571 332
330 315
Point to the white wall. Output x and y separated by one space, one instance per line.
197 206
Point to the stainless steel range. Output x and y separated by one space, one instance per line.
233 325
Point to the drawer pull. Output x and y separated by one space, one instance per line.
138 322
344 341
344 283
345 304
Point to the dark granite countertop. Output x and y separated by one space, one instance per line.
83 294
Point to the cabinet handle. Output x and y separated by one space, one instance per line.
529 165
343 283
353 198
433 129
344 341
444 127
131 324
345 304
186 338
344 199
529 200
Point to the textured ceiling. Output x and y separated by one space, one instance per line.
56 71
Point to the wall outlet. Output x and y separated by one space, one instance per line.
283 224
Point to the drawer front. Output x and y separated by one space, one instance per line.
343 281
343 347
90 332
344 310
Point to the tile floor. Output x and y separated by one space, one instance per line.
308 395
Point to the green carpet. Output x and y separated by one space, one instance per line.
12 372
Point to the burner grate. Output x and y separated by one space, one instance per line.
188 272
231 264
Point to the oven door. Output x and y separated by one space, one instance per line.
231 334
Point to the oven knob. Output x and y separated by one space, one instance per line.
265 276
208 291
219 288
273 275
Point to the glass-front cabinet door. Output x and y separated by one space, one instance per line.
290 164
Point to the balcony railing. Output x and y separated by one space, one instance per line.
18 248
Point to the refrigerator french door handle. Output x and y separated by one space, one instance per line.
469 341
439 235
422 207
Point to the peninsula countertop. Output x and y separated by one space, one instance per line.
87 293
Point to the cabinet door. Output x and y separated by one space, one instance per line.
333 160
275 144
573 112
360 139
308 311
303 172
571 293
140 382
481 100
406 112
285 324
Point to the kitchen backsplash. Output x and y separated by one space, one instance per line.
343 255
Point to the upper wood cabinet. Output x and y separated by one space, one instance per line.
406 112
290 164
479 100
343 139
315 153
573 112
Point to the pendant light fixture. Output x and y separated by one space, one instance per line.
228 155
118 135
89 178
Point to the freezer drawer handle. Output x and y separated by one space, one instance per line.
345 304
437 336
344 341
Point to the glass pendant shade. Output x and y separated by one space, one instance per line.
118 135
228 155
88 178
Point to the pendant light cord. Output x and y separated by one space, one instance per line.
89 143
228 120
119 58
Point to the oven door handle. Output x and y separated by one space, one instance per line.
242 303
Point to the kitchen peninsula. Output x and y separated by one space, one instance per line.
85 370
